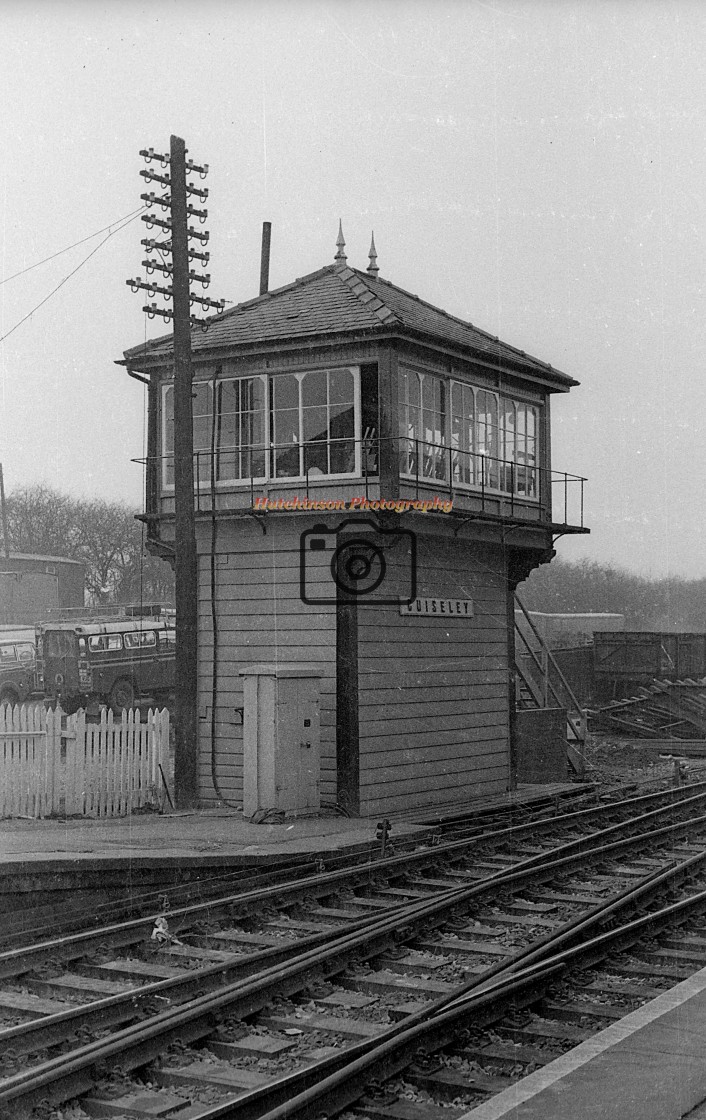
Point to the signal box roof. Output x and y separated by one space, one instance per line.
338 303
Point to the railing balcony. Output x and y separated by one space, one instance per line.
233 477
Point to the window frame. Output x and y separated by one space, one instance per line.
492 475
268 476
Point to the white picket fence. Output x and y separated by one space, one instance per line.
51 763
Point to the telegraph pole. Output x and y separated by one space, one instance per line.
186 730
186 569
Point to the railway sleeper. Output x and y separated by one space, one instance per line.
506 1055
448 1082
141 1103
356 1029
405 1110
470 948
575 1011
384 982
538 1027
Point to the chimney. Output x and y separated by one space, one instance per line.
265 258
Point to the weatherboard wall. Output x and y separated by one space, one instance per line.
433 690
260 617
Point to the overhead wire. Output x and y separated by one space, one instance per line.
98 232
122 223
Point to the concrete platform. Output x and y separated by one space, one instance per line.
42 860
651 1065
221 835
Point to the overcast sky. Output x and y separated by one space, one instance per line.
534 166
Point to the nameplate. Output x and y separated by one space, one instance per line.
442 608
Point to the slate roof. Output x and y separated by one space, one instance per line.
338 301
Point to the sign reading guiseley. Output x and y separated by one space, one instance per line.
446 608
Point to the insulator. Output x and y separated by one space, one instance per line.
152 265
151 310
149 154
200 192
157 200
135 285
219 304
194 213
153 220
158 246
202 171
203 237
194 255
152 176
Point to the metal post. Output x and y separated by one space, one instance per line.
186 738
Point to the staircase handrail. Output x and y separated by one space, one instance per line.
555 666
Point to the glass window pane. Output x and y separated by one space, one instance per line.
342 424
314 388
286 426
168 407
285 391
315 423
341 387
342 455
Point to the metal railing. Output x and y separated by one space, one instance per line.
547 685
510 487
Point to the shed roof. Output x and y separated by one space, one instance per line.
37 558
337 301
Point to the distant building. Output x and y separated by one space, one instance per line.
336 399
30 586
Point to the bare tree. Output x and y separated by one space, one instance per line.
104 536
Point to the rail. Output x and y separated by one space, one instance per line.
139 1041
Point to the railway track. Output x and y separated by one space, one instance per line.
28 915
216 928
315 981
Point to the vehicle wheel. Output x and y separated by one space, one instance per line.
122 695
9 696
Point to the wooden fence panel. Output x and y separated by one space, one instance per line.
51 763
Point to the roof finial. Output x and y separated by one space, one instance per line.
340 245
373 266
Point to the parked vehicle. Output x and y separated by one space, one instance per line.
111 662
17 665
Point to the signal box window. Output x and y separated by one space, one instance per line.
314 423
310 426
